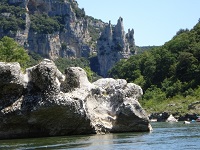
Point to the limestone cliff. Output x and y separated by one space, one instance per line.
45 102
114 45
73 40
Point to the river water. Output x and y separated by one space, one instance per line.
165 136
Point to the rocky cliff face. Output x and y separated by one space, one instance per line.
70 34
44 102
74 40
114 45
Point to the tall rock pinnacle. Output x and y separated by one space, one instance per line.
114 44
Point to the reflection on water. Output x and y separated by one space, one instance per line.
99 141
164 136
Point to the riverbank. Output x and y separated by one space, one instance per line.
162 117
182 108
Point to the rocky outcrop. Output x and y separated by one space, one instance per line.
114 45
44 102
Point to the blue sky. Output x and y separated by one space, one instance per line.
154 21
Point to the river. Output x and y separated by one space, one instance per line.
165 136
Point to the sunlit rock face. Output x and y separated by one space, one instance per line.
45 102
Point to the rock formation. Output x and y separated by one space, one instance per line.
44 102
114 45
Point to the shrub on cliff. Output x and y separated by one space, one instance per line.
10 51
42 23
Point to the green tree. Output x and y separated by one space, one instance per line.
154 93
10 51
162 56
186 66
148 68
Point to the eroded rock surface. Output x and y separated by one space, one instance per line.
47 103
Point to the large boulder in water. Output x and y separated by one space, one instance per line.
49 103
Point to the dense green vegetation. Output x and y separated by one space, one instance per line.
10 51
142 49
42 23
167 71
12 18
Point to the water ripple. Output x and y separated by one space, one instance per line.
164 136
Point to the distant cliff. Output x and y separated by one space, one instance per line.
114 44
53 28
